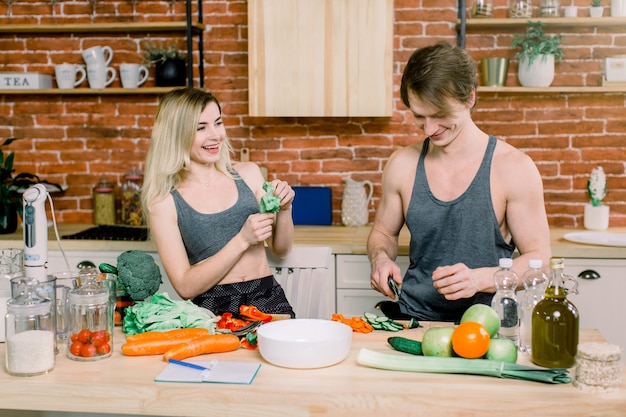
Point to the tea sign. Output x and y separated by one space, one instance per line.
24 81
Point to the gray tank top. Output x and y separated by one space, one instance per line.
448 232
205 234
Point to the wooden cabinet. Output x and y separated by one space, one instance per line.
600 301
354 293
320 58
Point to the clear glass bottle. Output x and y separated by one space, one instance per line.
30 334
482 9
549 8
90 321
504 301
555 323
104 202
130 198
535 283
520 9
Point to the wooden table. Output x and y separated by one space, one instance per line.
124 385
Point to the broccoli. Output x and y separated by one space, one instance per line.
138 273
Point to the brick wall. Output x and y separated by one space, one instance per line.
74 140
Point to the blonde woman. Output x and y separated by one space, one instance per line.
203 210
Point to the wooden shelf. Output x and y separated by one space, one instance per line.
119 27
555 90
92 91
560 22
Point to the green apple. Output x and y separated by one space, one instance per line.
485 315
437 341
503 350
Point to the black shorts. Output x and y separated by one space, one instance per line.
266 294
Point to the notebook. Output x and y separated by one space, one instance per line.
221 372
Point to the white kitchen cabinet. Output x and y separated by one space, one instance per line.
600 302
354 292
56 263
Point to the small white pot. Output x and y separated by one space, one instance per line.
596 11
539 74
618 8
596 217
570 11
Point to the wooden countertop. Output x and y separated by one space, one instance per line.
125 385
342 239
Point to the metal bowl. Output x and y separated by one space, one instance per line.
304 343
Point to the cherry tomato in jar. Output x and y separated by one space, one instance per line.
84 336
103 349
88 350
75 348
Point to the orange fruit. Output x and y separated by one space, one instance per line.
470 340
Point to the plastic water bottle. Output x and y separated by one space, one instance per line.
505 302
535 283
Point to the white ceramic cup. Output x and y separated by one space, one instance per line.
98 56
570 11
69 76
133 75
100 76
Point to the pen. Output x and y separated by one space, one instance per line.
192 365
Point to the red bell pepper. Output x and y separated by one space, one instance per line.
254 313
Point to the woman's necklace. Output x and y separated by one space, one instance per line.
205 183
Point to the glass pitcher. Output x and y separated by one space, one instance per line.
355 202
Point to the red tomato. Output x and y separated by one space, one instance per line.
84 336
88 350
100 337
103 349
74 337
75 348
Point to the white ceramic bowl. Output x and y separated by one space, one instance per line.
304 343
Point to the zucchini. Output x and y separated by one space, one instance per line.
403 344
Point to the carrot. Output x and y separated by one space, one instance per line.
357 323
151 347
213 343
173 334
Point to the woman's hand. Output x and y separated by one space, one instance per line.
257 228
284 191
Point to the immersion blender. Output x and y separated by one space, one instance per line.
35 232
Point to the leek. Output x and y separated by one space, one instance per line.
445 365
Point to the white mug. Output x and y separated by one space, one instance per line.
69 76
133 75
98 55
100 76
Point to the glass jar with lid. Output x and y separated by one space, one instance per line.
520 9
482 9
549 8
30 334
104 202
90 321
130 198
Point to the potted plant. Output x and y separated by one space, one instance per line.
11 189
169 62
537 56
596 216
596 8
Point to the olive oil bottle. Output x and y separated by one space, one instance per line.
555 322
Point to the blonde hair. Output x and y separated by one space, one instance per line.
173 133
